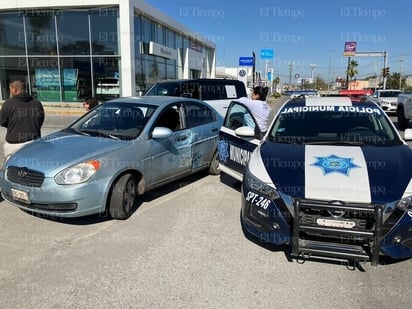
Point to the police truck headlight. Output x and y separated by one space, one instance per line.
405 203
78 173
255 184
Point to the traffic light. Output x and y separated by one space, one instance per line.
385 72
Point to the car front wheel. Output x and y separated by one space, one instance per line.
214 165
123 197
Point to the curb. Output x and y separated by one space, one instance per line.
64 112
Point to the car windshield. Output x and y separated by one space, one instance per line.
117 120
330 125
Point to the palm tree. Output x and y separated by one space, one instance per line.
352 71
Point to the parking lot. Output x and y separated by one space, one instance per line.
182 248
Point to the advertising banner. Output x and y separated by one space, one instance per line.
48 84
350 49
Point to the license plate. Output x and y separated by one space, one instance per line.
20 195
336 223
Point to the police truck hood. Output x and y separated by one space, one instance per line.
346 173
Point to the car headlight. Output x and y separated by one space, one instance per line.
78 173
255 184
405 204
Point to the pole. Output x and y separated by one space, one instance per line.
400 72
385 64
253 69
290 74
347 74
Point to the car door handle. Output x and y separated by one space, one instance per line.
181 138
215 129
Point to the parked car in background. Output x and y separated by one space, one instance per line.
386 98
113 154
217 92
404 110
108 88
331 179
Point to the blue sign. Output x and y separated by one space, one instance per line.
269 75
266 53
246 61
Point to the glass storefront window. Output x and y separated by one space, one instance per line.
141 82
73 33
105 39
11 68
147 30
83 83
41 32
11 34
106 77
137 36
45 78
171 72
160 35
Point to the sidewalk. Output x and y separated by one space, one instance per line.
61 108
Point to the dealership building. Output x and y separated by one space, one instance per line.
66 50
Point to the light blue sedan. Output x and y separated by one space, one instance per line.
113 154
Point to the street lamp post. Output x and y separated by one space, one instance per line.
312 75
290 64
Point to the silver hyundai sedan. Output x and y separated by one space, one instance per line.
113 154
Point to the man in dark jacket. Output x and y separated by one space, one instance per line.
23 117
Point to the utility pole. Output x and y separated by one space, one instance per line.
347 74
400 71
312 75
385 65
329 69
290 64
253 69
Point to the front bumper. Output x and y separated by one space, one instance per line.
58 200
389 106
347 231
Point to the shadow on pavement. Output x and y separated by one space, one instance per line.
147 197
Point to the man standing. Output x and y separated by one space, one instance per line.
23 117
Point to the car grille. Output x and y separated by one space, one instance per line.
360 215
337 230
25 176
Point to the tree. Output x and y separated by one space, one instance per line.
352 69
392 81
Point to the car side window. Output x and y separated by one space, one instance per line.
238 116
197 115
170 118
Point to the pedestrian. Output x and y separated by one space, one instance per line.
90 103
23 116
259 108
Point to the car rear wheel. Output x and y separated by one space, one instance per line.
402 121
214 164
123 197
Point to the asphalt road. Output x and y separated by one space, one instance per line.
182 248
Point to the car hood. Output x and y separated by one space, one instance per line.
344 173
62 149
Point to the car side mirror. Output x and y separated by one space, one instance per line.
161 132
245 131
408 135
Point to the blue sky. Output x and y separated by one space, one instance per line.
301 32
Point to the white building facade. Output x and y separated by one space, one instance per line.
65 49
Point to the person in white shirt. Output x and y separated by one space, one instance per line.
259 108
